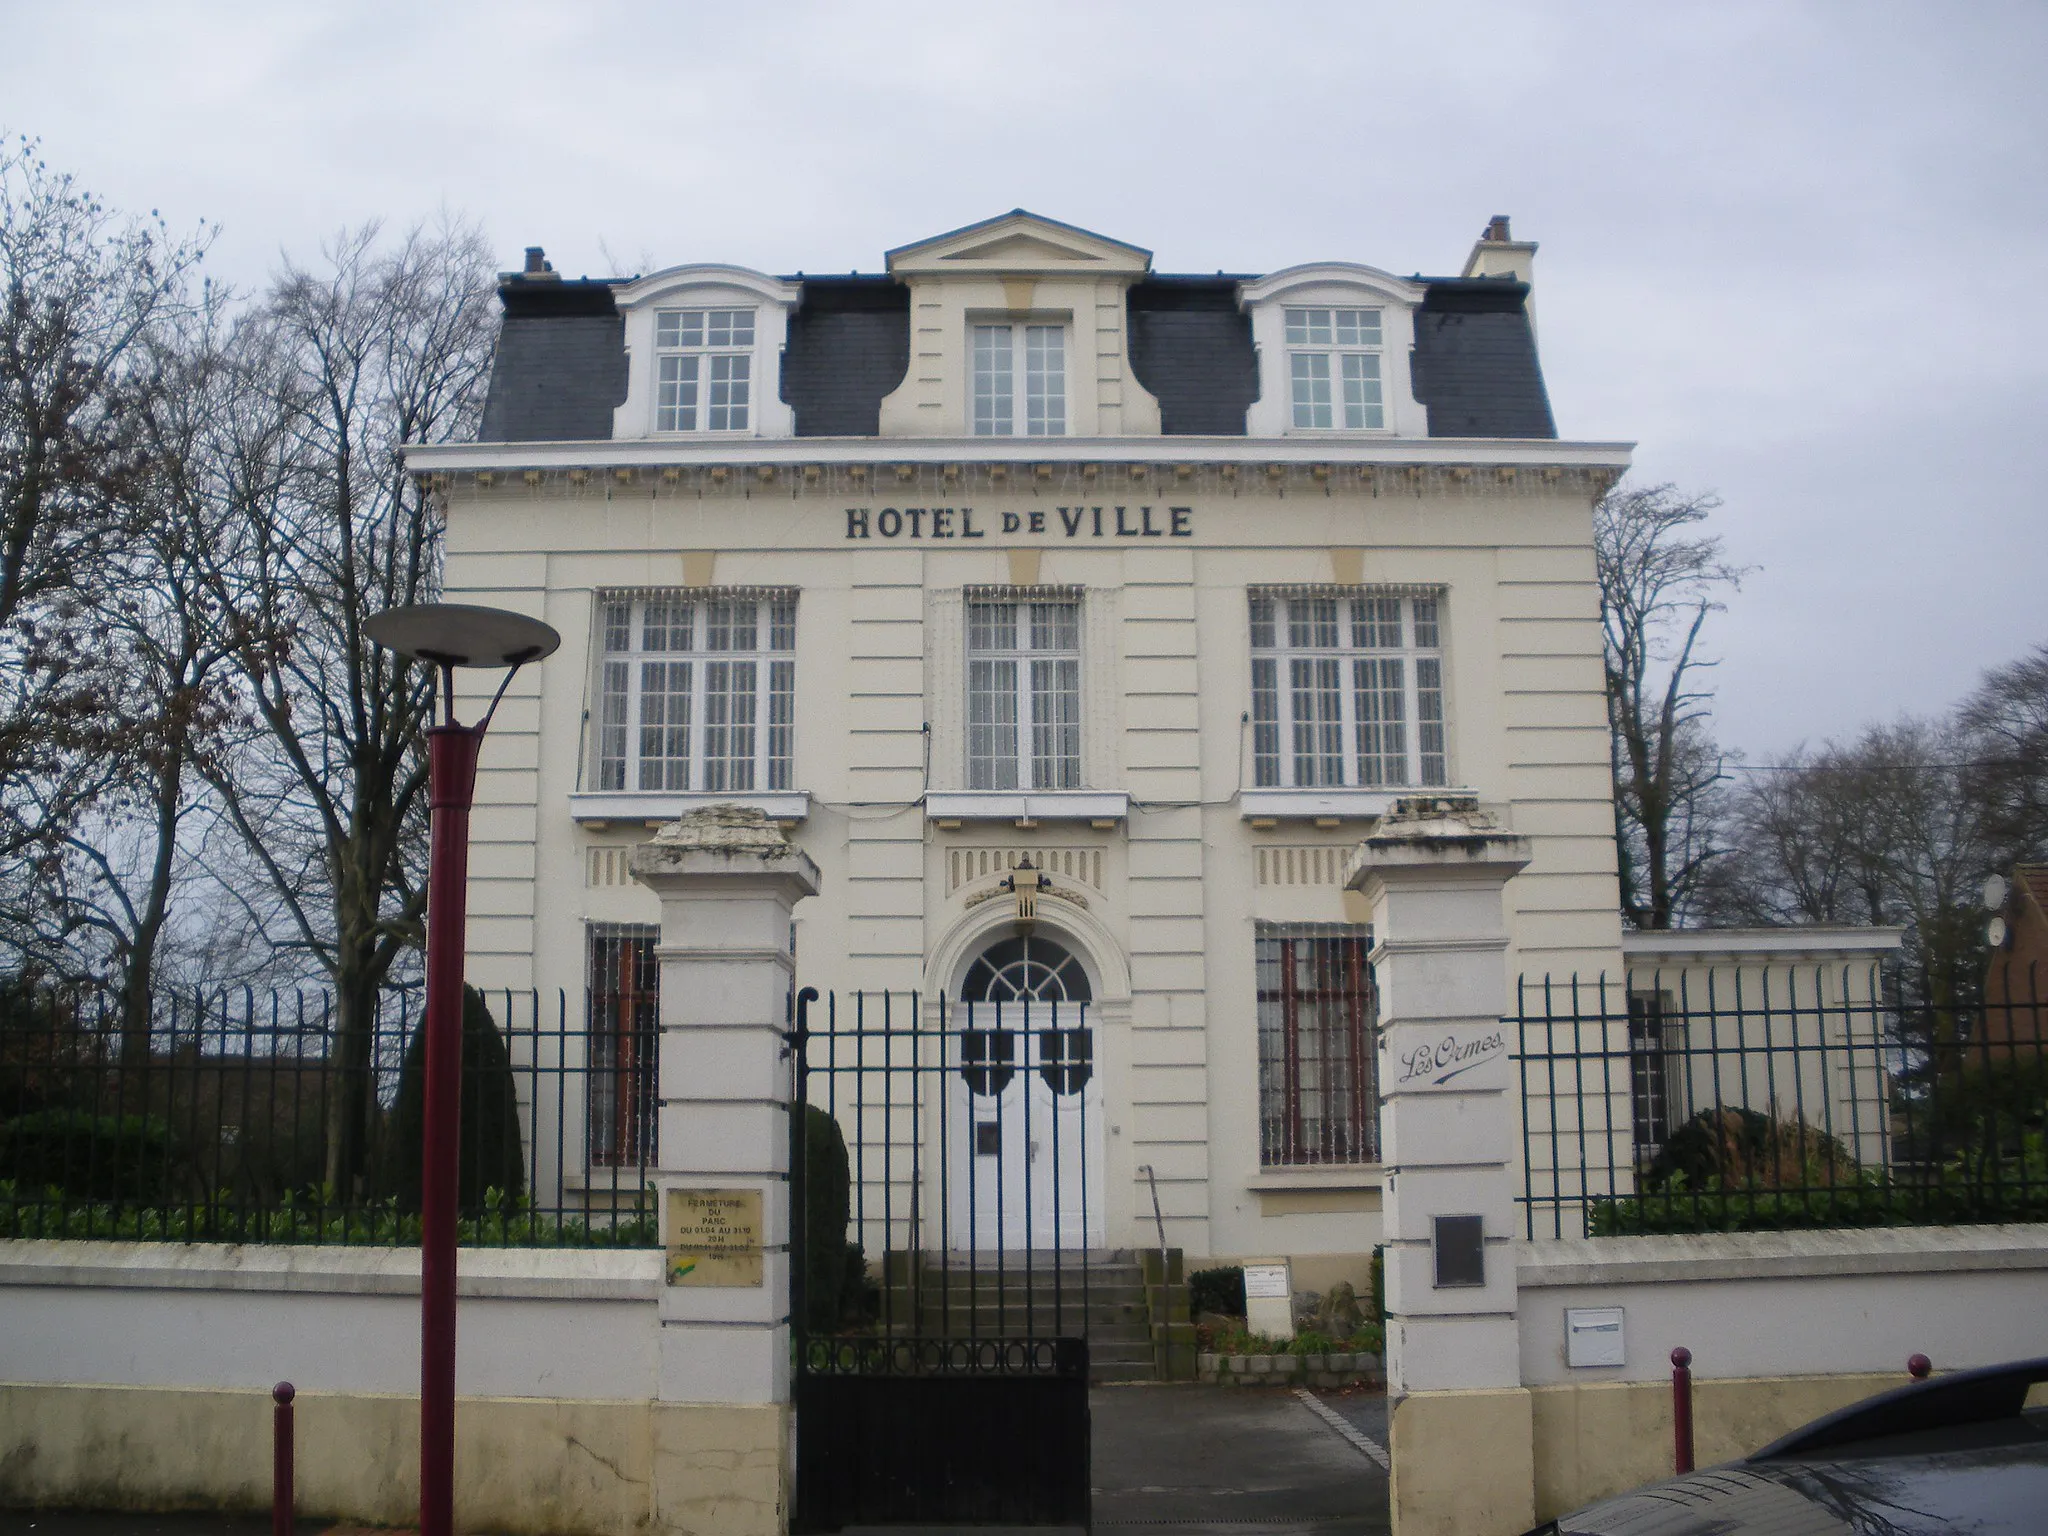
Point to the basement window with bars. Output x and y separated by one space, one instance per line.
623 997
1347 690
1023 692
1318 1017
697 692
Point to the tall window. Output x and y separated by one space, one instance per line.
1023 693
1007 357
1333 361
1649 1076
705 361
1318 1089
1347 691
624 1005
697 693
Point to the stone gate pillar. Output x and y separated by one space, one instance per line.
1433 873
727 879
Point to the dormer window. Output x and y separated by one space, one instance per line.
1333 359
705 359
1334 341
1020 380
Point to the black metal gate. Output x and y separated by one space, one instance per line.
941 1364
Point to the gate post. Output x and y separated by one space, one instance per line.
1433 873
727 879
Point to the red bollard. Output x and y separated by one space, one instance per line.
1919 1367
281 1460
1681 1409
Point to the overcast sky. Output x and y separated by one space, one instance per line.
1794 252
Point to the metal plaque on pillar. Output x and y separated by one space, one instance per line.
713 1237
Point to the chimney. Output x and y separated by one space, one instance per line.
537 265
1497 254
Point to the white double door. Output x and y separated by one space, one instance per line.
1024 1145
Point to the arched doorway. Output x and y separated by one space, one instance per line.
1025 1153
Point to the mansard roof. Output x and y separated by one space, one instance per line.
560 369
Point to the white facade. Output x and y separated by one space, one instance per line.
1180 824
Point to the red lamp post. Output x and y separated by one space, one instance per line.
447 636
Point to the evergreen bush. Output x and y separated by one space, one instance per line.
828 1198
492 1160
122 1160
1219 1291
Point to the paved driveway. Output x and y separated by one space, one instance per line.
1234 1460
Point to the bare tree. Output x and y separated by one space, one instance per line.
381 347
83 292
2006 720
1659 580
164 634
1881 829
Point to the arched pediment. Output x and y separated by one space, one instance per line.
675 281
1321 276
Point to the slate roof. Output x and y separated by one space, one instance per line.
560 368
1475 366
849 345
1191 346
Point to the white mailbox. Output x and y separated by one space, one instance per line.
1593 1336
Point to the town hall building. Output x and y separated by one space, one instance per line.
1077 620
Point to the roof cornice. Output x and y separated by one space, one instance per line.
656 453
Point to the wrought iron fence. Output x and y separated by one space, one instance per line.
246 1116
972 1162
1698 1101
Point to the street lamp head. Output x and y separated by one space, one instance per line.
462 635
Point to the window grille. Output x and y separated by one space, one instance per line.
624 1001
1318 1016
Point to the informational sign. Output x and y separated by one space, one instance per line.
713 1237
1267 1282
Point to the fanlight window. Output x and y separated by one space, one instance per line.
1026 968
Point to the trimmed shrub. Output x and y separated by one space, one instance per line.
120 1160
828 1197
1740 1147
1220 1291
492 1156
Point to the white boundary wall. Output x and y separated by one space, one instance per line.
578 1324
138 1376
1757 1304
